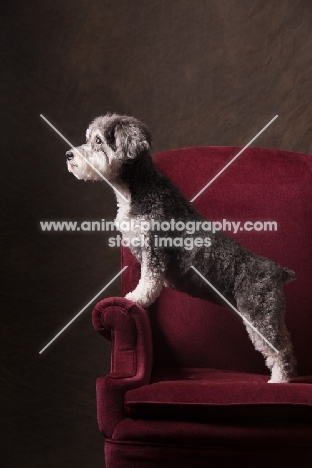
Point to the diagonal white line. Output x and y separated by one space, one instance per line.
235 310
91 165
82 310
232 160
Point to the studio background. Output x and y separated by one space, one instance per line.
201 72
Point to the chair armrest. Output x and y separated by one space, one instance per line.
127 325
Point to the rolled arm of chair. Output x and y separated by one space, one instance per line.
127 325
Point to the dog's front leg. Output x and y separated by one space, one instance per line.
152 279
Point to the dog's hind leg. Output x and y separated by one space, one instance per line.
266 313
282 364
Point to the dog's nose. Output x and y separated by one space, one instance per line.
69 155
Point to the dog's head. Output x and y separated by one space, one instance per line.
112 140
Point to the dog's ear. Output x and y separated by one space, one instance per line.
127 137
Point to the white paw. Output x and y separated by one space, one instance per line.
140 300
278 380
278 375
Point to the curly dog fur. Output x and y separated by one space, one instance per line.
118 148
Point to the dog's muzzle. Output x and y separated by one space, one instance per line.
69 155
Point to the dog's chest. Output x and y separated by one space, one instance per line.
126 225
122 217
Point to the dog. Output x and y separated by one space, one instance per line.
118 149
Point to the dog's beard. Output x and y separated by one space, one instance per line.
89 165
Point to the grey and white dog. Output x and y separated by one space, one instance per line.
118 148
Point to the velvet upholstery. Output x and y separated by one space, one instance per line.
186 385
131 357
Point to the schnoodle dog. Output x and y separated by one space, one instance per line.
118 149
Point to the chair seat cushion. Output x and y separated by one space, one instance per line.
209 394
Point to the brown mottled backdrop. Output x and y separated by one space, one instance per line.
197 72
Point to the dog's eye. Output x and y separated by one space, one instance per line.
98 140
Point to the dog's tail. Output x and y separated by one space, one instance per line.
288 275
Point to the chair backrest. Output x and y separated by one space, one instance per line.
261 185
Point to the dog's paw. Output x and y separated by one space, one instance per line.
281 378
278 373
278 381
140 300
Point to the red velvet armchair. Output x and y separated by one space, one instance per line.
186 388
